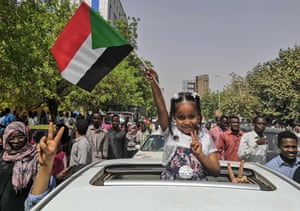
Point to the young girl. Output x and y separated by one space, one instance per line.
188 152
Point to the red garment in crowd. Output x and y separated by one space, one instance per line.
215 134
59 162
228 145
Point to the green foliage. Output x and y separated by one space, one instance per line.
209 105
276 83
129 30
271 88
29 77
238 100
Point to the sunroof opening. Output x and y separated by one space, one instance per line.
141 174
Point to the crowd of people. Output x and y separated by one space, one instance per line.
22 158
233 144
29 171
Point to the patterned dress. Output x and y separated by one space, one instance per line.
178 158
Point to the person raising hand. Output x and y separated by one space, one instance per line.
44 182
240 178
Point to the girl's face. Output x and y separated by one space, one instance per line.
17 140
186 117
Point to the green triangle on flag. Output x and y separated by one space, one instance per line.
88 48
103 34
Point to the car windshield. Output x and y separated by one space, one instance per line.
154 143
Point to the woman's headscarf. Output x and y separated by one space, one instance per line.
25 159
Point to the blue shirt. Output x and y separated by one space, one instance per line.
9 118
283 167
34 199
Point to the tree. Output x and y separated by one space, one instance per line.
277 83
271 88
29 71
209 105
238 100
28 74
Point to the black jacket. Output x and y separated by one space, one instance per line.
9 199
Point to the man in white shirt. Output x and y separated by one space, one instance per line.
96 136
254 144
81 148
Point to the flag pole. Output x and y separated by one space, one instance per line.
145 65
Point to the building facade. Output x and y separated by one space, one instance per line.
202 84
109 9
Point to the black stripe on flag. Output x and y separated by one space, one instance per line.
110 58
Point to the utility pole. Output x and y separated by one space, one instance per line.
218 91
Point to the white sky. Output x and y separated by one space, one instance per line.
183 39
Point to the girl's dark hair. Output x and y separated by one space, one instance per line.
181 96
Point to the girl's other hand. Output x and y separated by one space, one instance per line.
240 178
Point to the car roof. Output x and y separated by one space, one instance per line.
134 184
148 154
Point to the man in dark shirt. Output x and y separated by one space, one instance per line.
116 139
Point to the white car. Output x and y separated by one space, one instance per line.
153 147
134 184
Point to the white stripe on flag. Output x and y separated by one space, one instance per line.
84 58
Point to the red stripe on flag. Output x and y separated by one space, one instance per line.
72 37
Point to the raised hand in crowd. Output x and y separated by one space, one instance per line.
46 154
240 178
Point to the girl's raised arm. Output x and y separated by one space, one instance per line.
163 117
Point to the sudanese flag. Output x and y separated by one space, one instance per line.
88 48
